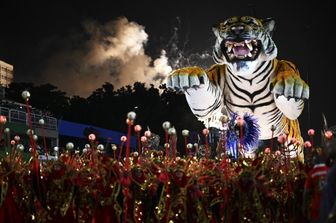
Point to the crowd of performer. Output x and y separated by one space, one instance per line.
160 186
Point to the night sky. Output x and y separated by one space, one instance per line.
61 43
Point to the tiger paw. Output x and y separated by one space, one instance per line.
188 77
290 86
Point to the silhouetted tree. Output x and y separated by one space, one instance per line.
78 110
13 92
107 107
49 98
45 97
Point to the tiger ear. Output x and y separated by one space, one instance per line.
269 25
215 30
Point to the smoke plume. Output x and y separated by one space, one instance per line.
179 52
111 52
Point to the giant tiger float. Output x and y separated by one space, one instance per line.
247 79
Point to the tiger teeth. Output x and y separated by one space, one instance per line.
249 45
249 55
229 48
238 44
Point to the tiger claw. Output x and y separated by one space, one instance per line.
176 88
185 88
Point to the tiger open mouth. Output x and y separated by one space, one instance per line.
241 50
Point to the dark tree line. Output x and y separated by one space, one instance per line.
107 107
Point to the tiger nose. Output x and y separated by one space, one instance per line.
237 29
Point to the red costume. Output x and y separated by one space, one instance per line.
313 187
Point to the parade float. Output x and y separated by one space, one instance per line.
249 97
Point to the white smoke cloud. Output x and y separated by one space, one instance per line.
178 50
161 66
112 52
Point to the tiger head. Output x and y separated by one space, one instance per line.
243 43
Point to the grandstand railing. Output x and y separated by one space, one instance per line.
17 116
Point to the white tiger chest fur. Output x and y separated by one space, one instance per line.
252 94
